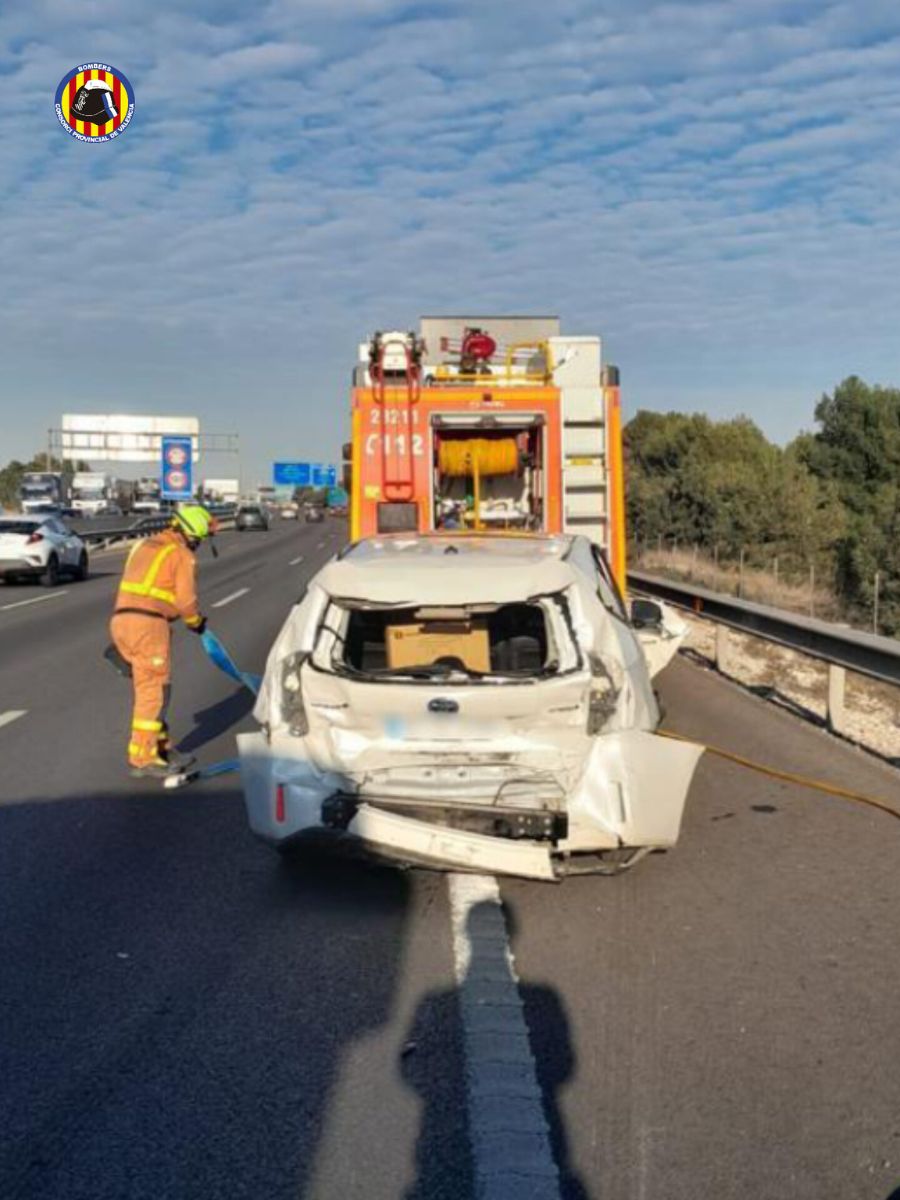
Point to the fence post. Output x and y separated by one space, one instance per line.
834 716
721 650
775 568
741 576
812 589
875 602
659 544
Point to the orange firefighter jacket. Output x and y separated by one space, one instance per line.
159 578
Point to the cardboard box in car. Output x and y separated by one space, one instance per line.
415 644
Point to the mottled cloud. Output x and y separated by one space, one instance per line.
710 185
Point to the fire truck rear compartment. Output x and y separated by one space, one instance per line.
487 476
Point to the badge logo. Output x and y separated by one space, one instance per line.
94 102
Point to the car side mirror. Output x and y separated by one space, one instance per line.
646 614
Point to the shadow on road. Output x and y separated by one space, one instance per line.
424 1067
217 719
177 1000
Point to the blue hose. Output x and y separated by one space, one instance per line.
220 657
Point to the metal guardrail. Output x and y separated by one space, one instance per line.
865 653
145 526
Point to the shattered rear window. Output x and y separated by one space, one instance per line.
511 639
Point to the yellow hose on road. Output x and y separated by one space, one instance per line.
816 785
491 456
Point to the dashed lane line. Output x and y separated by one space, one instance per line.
511 1148
228 599
7 718
34 600
294 561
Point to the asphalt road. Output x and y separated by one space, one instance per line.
183 1014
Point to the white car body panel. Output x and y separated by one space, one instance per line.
509 745
18 555
634 786
661 645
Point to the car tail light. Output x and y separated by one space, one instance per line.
35 537
279 803
293 712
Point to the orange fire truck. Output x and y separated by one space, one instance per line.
487 423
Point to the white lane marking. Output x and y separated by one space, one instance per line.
34 600
294 561
228 599
320 546
7 718
510 1139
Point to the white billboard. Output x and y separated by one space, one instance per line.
123 437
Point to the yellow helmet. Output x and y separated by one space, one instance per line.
195 521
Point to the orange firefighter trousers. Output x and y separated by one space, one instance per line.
144 641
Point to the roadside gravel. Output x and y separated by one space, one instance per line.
872 709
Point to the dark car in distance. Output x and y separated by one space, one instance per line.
251 516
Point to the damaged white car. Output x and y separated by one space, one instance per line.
471 703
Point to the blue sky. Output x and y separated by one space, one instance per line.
711 186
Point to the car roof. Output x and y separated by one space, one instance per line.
450 569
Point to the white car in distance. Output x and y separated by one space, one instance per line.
473 703
40 546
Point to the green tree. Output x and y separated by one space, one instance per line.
856 452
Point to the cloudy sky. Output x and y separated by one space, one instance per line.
711 186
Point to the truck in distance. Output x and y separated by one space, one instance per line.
42 489
220 491
92 491
146 497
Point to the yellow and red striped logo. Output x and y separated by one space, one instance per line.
94 102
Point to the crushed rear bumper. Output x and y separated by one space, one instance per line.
632 794
287 799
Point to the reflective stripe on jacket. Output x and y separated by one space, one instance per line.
159 578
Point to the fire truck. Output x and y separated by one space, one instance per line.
487 424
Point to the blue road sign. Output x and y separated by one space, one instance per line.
297 474
177 468
323 475
304 474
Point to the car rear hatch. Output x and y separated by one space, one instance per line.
14 544
454 708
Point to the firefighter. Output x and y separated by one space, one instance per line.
157 588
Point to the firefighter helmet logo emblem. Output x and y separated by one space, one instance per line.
94 102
